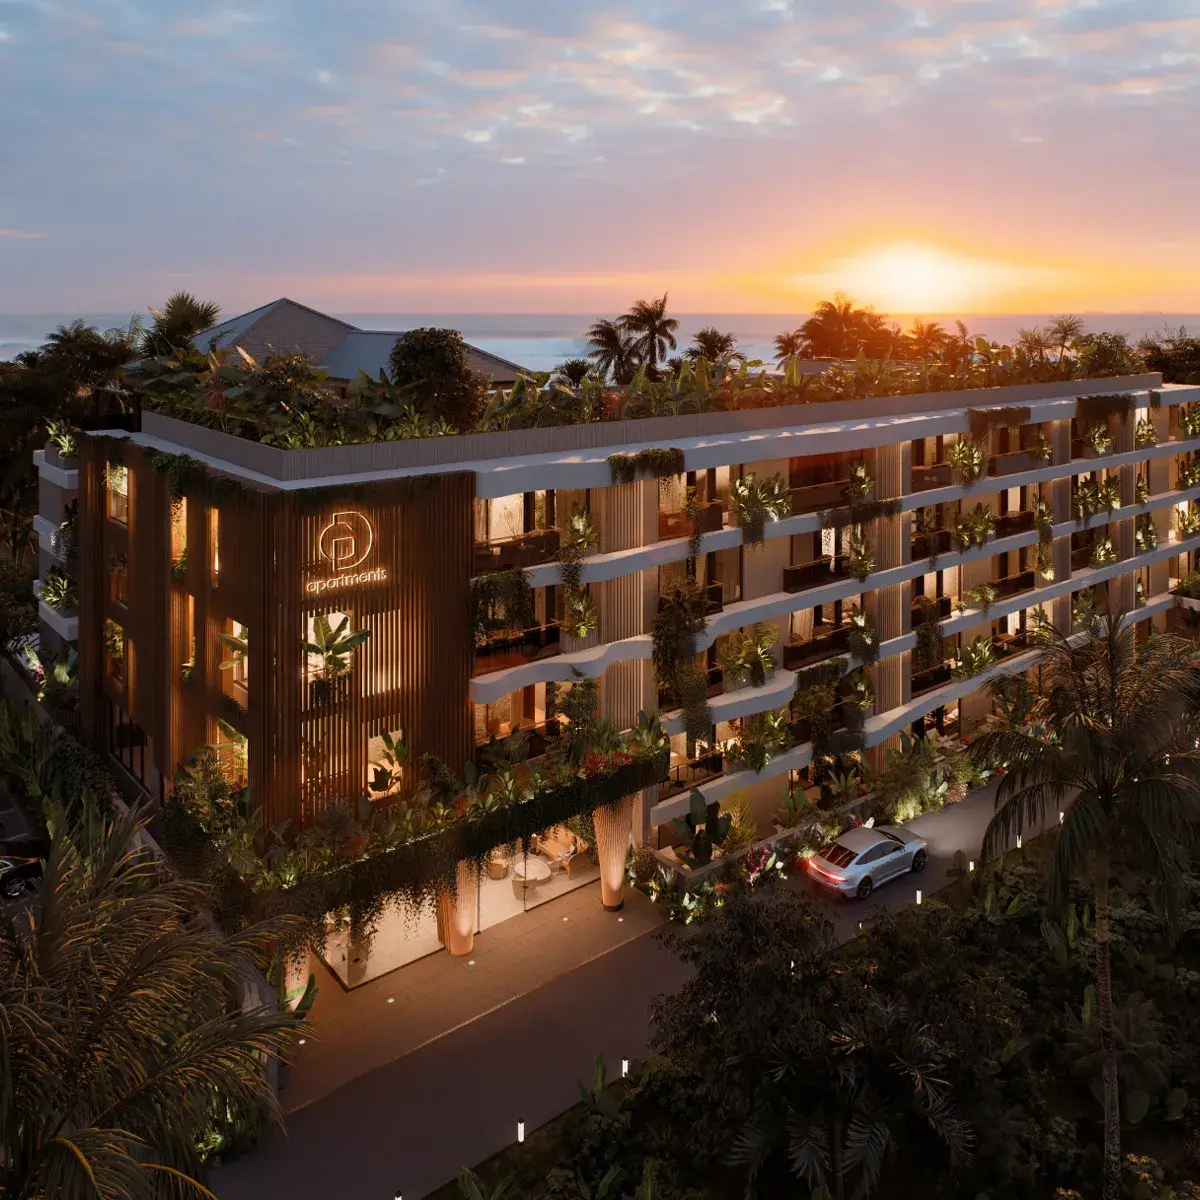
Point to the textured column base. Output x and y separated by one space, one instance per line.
614 824
458 911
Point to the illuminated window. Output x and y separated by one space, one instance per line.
179 538
114 652
117 487
235 642
214 539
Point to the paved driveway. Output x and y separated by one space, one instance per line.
408 1126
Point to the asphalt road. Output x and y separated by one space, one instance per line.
409 1125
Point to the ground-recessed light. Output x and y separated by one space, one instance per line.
303 1040
391 999
619 919
470 962
566 918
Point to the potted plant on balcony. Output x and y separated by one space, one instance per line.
966 459
701 830
863 636
1103 552
974 526
974 658
1098 440
1039 448
1189 419
862 558
63 441
754 502
860 487
1146 434
1145 536
58 591
747 656
1188 474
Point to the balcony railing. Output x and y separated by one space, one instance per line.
685 776
935 476
676 524
941 603
1015 522
512 650
814 497
930 678
824 643
537 737
1081 558
1006 644
812 574
1014 585
941 541
1012 462
525 550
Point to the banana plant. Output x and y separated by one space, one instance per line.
238 646
334 644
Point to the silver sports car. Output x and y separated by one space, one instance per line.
863 858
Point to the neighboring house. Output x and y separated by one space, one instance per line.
334 345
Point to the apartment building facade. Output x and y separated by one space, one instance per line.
1054 492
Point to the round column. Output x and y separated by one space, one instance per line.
458 910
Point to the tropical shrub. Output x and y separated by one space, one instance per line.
967 459
430 368
862 557
974 526
59 591
500 602
1098 439
747 655
755 502
974 658
1103 552
863 636
760 737
1146 434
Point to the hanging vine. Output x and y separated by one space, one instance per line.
754 502
682 615
579 617
654 463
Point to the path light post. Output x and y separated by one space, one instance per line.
520 1131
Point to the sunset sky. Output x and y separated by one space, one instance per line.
568 155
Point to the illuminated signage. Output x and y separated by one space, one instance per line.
345 544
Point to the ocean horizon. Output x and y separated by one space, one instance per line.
540 341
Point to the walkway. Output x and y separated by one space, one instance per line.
408 1125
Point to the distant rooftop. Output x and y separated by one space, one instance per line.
337 347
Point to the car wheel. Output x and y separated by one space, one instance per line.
864 888
918 863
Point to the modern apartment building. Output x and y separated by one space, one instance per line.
939 521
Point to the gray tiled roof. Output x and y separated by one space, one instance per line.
338 347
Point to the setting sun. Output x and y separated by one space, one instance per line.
908 277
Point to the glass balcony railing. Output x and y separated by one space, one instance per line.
824 643
942 604
526 550
1014 585
935 476
930 678
1012 462
811 574
511 650
1015 522
687 775
716 598
676 524
814 497
940 541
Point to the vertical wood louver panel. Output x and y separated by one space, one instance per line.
91 597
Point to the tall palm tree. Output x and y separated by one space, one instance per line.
788 345
611 349
178 322
837 329
1062 331
926 340
1123 769
118 1045
653 332
713 346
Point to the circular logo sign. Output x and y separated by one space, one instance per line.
346 540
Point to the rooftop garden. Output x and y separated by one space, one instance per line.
429 390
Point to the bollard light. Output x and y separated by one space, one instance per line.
1018 841
918 895
1062 816
971 865
520 1131
624 1068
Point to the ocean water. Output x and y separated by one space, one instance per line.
541 341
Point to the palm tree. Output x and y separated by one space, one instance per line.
927 339
121 1052
573 370
1034 342
839 330
788 345
1064 330
178 322
652 330
1122 768
611 350
713 346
